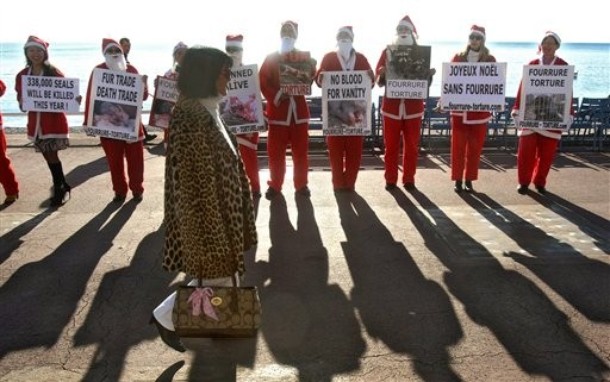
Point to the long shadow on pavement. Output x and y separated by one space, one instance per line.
397 304
307 322
536 334
120 312
40 298
583 282
12 240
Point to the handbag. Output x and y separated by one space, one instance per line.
217 311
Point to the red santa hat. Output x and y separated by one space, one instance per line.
406 21
478 30
293 25
552 34
36 42
348 30
108 43
234 41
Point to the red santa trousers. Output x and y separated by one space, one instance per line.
7 174
466 147
117 151
345 155
534 158
411 131
247 148
278 139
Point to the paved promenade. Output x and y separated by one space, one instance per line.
373 286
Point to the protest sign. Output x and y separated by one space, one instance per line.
407 71
346 103
50 94
166 95
242 108
473 86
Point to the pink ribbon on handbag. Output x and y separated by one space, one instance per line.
200 298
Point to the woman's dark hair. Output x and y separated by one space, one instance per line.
200 70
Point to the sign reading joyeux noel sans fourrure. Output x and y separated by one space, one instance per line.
473 86
50 94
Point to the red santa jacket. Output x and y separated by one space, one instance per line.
331 63
2 90
280 112
130 69
556 134
472 117
52 125
391 107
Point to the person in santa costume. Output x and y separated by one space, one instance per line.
537 147
118 151
345 152
48 131
469 128
288 118
8 180
400 116
248 142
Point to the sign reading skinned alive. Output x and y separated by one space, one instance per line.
473 86
546 96
346 103
296 72
50 94
407 71
242 108
166 96
115 105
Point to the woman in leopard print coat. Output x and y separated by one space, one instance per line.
209 214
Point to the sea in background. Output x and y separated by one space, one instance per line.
76 60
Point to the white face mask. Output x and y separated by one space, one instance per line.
405 39
237 57
287 44
345 48
116 62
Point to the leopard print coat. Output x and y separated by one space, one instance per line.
209 218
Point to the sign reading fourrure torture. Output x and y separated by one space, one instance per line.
166 96
50 94
296 73
473 86
546 96
115 104
407 71
346 103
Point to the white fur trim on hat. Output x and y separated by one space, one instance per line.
293 25
554 35
406 21
234 41
346 29
36 42
478 30
108 42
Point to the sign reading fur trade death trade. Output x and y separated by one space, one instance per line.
242 108
50 94
407 71
166 96
296 73
546 96
473 86
346 103
116 105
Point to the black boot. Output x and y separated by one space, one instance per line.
458 186
60 187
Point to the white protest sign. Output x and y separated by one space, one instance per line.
115 104
50 94
546 96
166 95
242 108
407 71
346 103
473 86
